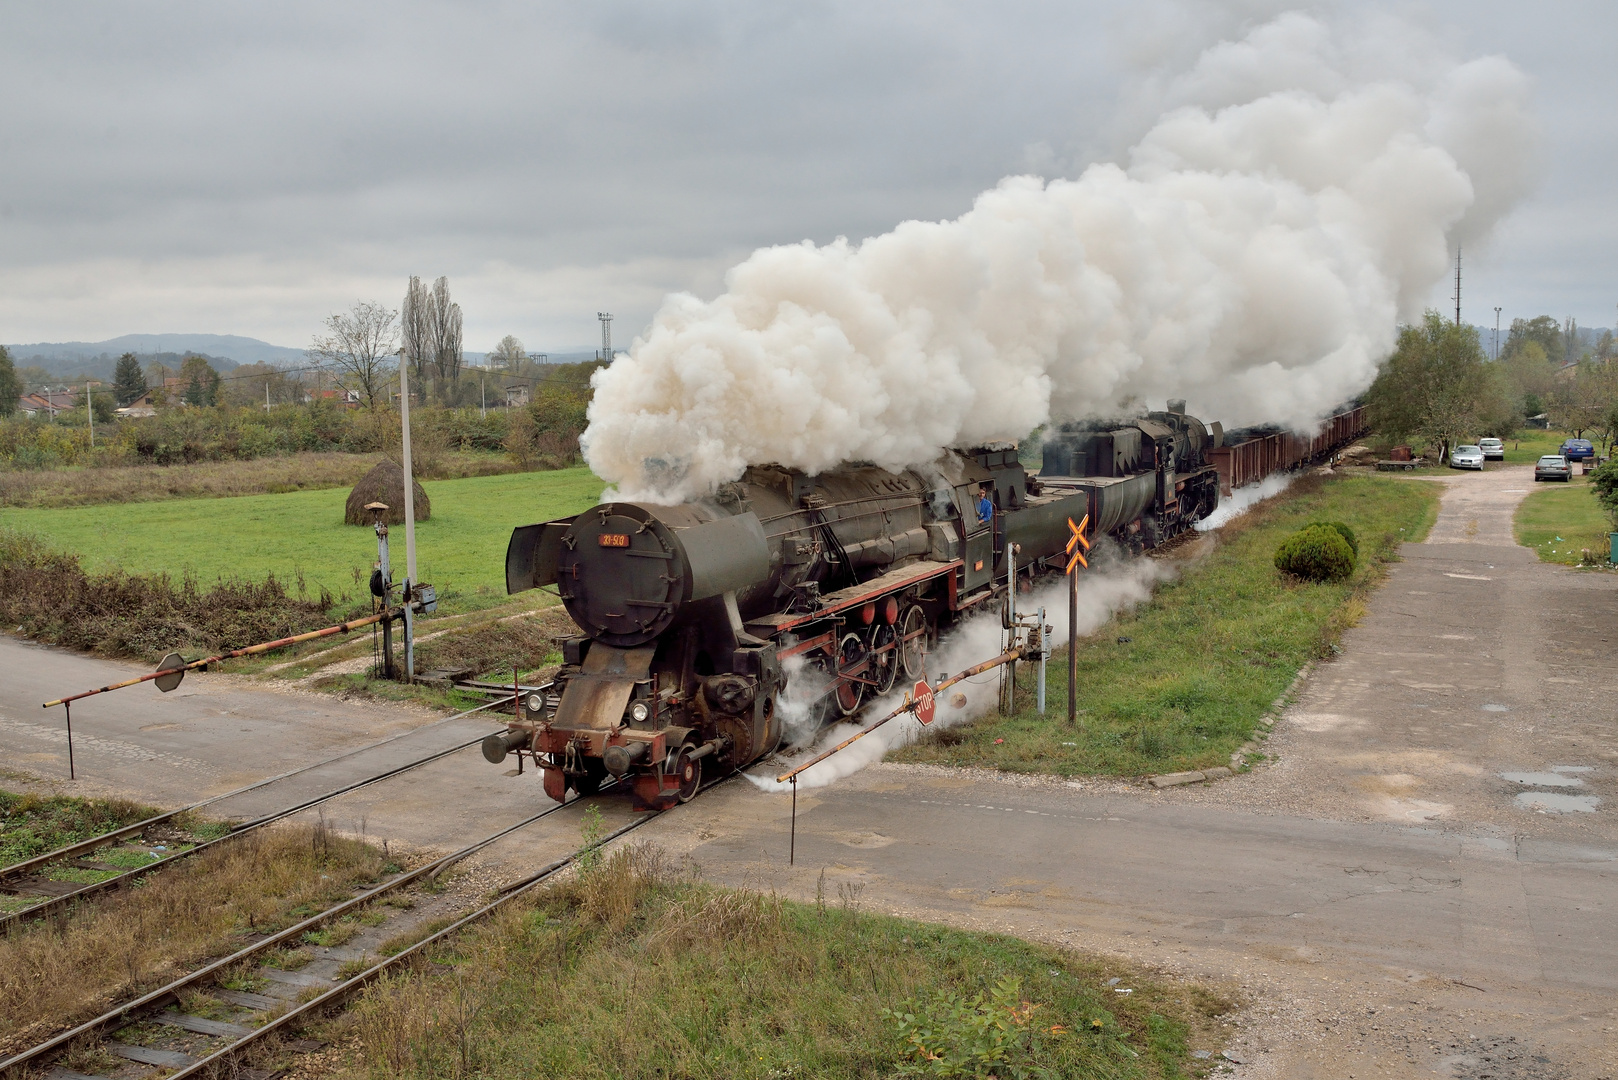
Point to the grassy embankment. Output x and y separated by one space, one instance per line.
650 974
1181 682
300 535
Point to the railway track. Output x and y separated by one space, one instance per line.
218 1045
12 875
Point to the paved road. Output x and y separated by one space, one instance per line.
1386 899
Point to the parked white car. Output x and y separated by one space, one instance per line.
1493 449
1466 457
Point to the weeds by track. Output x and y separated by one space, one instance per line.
241 1038
51 904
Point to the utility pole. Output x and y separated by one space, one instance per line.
1497 333
410 524
1457 284
90 413
409 480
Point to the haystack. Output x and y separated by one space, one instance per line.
384 484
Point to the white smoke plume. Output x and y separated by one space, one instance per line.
1244 498
1252 253
1116 584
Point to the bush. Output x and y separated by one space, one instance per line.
1604 486
1315 553
1342 530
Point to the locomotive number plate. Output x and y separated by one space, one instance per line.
614 540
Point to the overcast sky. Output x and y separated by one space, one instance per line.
249 169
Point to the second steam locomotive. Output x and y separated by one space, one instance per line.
694 619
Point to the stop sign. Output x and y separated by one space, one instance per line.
922 695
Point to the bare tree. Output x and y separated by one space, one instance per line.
507 355
359 344
416 326
444 338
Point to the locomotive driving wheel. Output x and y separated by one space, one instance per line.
687 774
849 691
884 667
913 642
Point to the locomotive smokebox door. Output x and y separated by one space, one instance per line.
625 570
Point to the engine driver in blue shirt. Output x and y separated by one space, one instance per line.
985 505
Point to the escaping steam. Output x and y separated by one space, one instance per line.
1243 498
1252 254
1113 584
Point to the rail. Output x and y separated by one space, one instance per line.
51 904
80 846
122 1014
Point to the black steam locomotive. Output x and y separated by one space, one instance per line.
693 618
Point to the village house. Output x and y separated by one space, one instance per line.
46 403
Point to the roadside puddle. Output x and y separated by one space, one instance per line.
1553 802
1549 802
1542 779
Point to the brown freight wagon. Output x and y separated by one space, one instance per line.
1250 461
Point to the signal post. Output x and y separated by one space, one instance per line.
1077 545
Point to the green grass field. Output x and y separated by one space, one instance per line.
1181 682
461 549
1560 520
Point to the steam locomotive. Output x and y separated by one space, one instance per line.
695 618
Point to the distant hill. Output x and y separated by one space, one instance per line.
96 358
67 360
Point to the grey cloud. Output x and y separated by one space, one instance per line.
342 147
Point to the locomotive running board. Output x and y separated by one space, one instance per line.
863 593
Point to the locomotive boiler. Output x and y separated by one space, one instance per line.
694 620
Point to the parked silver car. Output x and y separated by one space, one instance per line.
1553 467
1466 457
1493 449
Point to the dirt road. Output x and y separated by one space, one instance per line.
1423 883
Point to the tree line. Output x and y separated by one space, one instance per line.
1440 389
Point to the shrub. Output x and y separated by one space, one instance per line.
1315 553
1604 486
1342 530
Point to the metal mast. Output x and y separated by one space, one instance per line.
606 334
1457 284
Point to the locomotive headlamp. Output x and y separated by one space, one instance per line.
638 712
535 703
